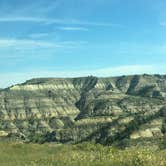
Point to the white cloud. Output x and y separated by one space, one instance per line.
129 69
73 28
27 45
21 19
56 21
24 44
21 43
38 35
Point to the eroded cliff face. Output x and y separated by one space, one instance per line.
71 110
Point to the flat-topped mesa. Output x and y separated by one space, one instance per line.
55 83
42 87
125 84
104 110
37 84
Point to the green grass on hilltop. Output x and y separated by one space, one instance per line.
86 154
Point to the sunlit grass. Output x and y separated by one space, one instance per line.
86 154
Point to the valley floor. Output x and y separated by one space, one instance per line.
86 154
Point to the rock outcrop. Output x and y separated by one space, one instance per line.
72 110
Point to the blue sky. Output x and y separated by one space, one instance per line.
70 38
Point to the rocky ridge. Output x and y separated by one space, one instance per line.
110 110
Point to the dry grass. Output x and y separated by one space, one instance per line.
86 154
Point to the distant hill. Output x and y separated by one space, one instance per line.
125 111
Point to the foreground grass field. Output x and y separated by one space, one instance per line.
86 154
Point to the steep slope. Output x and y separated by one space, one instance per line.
106 110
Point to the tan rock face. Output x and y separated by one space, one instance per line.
150 129
3 134
104 110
